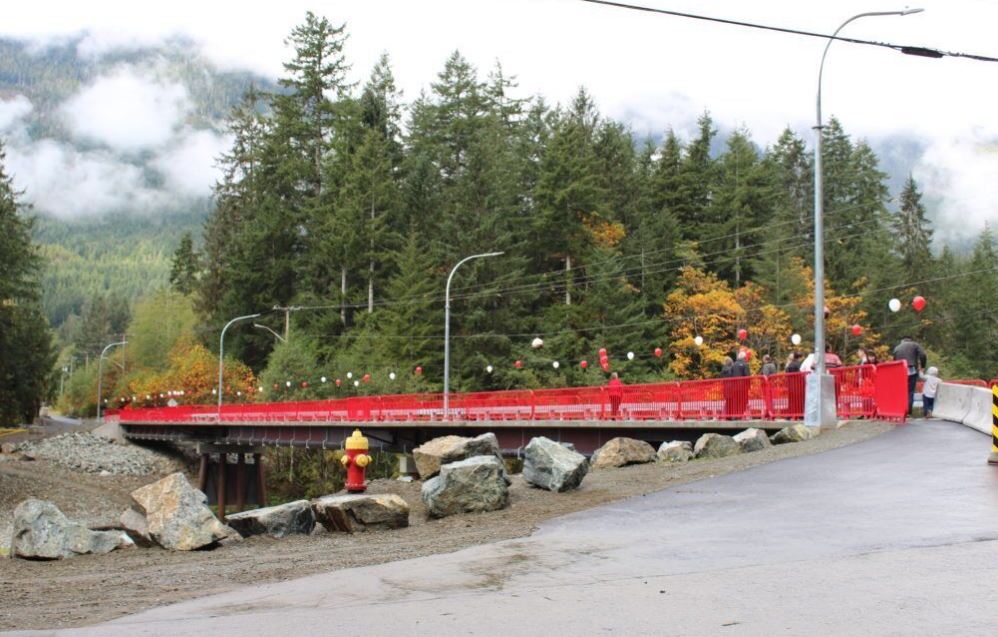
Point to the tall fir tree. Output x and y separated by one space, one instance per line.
26 352
185 266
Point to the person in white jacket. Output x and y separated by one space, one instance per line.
929 388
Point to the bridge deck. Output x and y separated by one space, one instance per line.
586 435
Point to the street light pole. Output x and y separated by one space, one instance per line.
276 335
100 374
819 389
221 354
447 326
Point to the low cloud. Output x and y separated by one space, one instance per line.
12 112
188 167
126 111
62 181
959 173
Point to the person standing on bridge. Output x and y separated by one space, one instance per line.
615 391
768 366
911 353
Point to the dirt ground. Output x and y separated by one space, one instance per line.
90 589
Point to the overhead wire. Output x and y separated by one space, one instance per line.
921 51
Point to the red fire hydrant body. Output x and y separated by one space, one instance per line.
355 461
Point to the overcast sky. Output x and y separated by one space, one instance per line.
649 70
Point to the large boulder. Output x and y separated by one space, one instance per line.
794 433
135 525
177 516
675 451
753 439
361 511
550 465
476 484
431 455
622 451
716 446
42 532
292 518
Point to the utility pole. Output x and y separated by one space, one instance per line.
287 317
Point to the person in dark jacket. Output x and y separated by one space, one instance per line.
768 366
911 353
793 363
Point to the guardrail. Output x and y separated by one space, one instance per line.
861 392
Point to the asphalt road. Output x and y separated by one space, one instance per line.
897 535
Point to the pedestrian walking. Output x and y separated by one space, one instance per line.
929 389
615 390
914 356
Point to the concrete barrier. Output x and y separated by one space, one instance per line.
964 404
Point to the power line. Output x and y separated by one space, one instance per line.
920 51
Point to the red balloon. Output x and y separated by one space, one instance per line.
742 334
419 370
658 352
602 352
366 378
518 364
304 383
857 330
276 385
338 382
583 364
918 303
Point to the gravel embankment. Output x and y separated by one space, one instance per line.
90 453
89 589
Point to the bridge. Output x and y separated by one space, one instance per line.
584 416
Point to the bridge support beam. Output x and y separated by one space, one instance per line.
224 482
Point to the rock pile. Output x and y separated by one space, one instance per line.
292 518
550 465
360 512
619 452
43 532
176 516
95 454
476 484
430 456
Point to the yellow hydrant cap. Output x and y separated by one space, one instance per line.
356 441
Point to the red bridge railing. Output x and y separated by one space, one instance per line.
860 392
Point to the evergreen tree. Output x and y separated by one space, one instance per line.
976 322
26 352
570 189
695 182
185 267
912 231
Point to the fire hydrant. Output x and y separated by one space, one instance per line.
355 461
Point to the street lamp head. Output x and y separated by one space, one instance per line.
911 11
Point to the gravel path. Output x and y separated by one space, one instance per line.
90 589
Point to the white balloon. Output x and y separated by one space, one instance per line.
795 339
698 340
537 343
391 375
356 383
239 393
323 379
894 304
556 364
349 375
261 389
488 369
287 383
630 356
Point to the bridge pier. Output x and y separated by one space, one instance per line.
224 482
